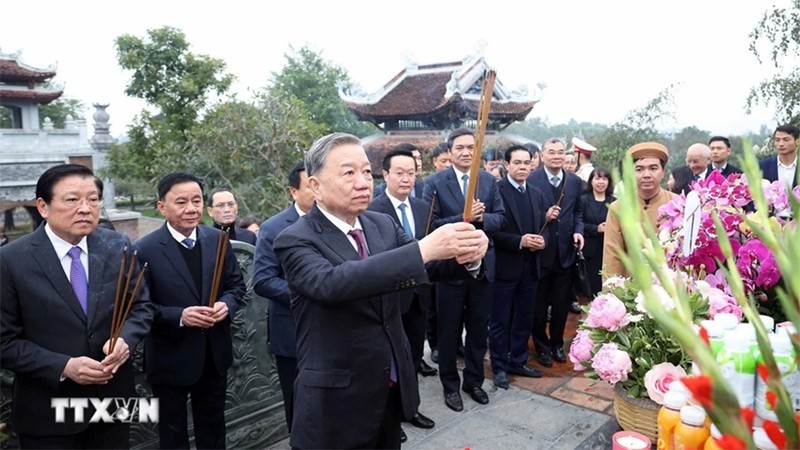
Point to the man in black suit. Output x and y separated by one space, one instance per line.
57 291
349 269
411 214
698 158
269 282
419 183
470 298
222 207
782 167
189 349
517 274
720 147
564 233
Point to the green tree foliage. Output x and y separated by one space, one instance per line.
313 80
175 82
680 143
639 125
250 148
59 109
778 35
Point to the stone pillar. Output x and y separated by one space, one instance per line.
101 143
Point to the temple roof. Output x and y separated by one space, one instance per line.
12 70
421 91
39 95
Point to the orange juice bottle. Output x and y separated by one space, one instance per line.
691 433
711 444
668 417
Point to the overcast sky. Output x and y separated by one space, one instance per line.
599 59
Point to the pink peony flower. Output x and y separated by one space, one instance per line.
612 364
607 311
718 301
658 378
581 350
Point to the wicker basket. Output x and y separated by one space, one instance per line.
636 414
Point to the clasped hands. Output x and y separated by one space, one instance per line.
532 242
85 370
204 316
455 240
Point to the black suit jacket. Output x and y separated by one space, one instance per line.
728 170
569 221
507 240
42 326
269 281
593 216
419 208
769 167
443 190
174 354
347 312
240 234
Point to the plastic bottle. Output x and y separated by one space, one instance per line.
762 441
668 417
794 392
787 366
728 321
738 367
749 331
715 335
769 323
711 444
691 433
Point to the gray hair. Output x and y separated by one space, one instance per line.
554 140
318 153
706 150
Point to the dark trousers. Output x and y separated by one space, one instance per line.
511 321
96 435
208 411
389 434
555 290
432 329
287 372
468 301
414 326
593 266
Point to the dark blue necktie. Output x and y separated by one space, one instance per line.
404 219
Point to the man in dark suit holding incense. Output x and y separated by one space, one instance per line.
58 290
348 270
197 287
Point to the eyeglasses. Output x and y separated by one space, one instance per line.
222 205
74 202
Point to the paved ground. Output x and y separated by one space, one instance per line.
561 410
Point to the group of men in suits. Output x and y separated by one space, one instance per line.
59 297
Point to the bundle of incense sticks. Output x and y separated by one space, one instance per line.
219 266
124 298
487 90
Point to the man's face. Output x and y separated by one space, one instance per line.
553 155
417 161
303 196
461 152
223 208
520 166
785 143
74 209
183 207
490 165
719 152
696 160
442 161
570 164
649 174
343 187
400 177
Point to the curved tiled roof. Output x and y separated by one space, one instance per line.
12 71
38 96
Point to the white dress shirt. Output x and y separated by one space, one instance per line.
62 249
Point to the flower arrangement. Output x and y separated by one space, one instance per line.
619 342
710 388
731 200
